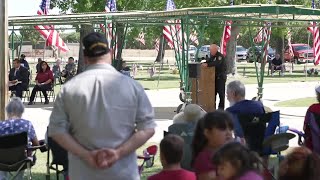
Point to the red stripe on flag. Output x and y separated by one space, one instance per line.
316 42
225 37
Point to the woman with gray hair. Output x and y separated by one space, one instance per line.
15 124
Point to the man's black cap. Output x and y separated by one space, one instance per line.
22 55
95 45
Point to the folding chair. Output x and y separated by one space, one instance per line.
25 95
14 154
186 131
148 157
59 158
255 128
50 92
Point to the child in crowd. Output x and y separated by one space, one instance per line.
235 162
171 151
300 164
212 131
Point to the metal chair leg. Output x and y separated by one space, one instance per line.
57 172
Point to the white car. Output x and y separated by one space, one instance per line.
192 52
204 52
241 53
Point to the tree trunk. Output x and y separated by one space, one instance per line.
162 50
84 30
231 50
279 46
120 42
279 40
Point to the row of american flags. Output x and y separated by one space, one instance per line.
171 33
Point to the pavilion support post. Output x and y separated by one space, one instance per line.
4 55
12 46
20 47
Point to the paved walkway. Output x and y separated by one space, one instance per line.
165 102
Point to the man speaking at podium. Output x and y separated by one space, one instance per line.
217 60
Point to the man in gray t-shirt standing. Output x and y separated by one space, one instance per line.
99 122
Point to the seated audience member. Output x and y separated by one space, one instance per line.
56 70
191 114
171 151
38 67
313 109
125 69
18 78
24 62
300 164
44 81
70 69
235 162
236 93
15 124
277 64
212 131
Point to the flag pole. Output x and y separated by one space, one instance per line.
139 51
314 24
161 60
306 65
44 48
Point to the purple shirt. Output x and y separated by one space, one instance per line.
15 126
251 175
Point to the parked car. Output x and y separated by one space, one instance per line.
241 53
301 53
257 50
204 52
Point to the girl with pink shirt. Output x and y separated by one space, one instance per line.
214 130
236 162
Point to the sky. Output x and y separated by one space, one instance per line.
25 7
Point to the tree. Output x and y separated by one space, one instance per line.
30 34
81 6
73 37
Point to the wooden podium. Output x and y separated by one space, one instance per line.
206 89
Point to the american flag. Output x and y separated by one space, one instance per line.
170 31
225 37
314 30
140 38
194 38
259 36
157 44
266 39
111 6
226 34
289 44
50 35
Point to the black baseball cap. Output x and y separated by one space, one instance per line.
22 55
95 44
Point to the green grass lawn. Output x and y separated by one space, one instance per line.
246 72
39 170
302 102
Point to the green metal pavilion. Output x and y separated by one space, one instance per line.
252 15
